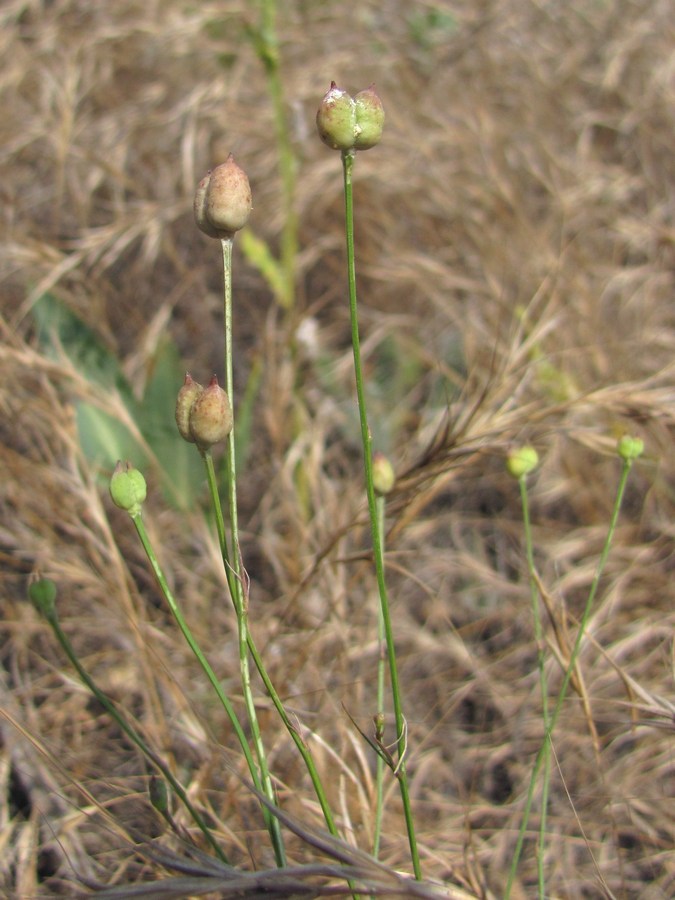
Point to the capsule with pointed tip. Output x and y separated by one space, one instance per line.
184 402
128 488
223 201
210 418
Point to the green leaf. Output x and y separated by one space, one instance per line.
258 253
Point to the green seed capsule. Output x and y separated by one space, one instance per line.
42 594
336 119
522 461
384 477
128 488
369 119
630 447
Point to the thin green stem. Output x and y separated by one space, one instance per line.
194 646
257 659
132 734
381 668
238 590
366 438
545 748
541 663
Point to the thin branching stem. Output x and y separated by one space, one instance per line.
262 671
132 734
546 746
401 728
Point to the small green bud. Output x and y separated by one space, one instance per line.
223 200
184 401
336 119
522 461
42 594
384 477
369 119
128 488
210 416
630 447
159 794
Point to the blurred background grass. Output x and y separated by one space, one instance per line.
515 244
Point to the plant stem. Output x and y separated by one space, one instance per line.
541 663
194 646
257 659
131 733
545 748
236 584
366 438
381 666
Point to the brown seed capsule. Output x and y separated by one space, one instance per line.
210 418
223 200
184 401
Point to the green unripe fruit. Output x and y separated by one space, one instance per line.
128 488
42 594
369 119
222 202
630 447
350 123
210 419
336 119
522 461
384 477
184 401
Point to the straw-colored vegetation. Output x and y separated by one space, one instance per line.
516 250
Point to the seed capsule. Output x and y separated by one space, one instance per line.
521 461
336 119
369 119
384 477
210 418
184 402
223 200
128 488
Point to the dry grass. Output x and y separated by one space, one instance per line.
516 241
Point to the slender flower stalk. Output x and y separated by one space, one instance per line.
520 463
366 438
238 589
48 610
629 449
379 716
217 212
